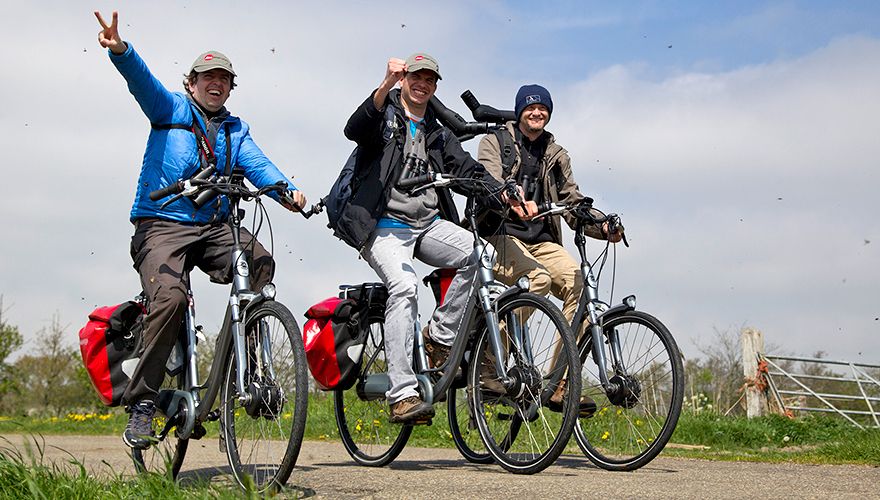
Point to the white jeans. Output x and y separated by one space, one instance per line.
390 252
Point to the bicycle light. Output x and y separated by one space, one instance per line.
630 301
523 283
268 291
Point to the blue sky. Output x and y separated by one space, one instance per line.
743 158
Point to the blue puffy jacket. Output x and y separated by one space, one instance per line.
172 154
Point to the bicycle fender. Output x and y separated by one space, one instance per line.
615 311
253 303
509 292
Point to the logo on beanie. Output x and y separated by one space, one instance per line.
208 57
532 99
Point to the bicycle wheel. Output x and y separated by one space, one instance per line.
166 456
632 425
263 431
518 429
463 427
362 419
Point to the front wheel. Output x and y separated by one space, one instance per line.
634 421
518 427
362 416
263 430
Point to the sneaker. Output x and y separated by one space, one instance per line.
409 410
139 431
586 406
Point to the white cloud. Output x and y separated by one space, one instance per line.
684 158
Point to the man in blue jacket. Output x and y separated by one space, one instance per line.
191 133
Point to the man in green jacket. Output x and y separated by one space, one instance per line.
533 247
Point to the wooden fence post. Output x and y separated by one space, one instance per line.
752 345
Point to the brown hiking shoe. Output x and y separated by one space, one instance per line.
409 410
437 352
586 406
488 376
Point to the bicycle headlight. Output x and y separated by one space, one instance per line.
630 301
268 291
523 283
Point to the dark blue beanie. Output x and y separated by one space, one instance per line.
532 94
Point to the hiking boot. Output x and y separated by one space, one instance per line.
437 352
409 410
488 376
586 406
139 431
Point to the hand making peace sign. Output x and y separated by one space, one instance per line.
109 36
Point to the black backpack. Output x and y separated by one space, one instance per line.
346 184
508 155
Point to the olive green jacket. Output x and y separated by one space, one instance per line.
555 172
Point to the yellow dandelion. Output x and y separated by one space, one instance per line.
606 435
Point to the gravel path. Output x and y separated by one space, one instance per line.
324 470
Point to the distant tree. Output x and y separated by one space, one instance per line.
10 341
52 379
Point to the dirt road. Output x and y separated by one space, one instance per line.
324 470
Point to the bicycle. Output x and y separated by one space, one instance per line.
258 370
507 330
636 376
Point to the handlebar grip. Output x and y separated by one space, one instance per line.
415 181
167 190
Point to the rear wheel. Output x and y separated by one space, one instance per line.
463 427
632 424
263 430
362 412
518 428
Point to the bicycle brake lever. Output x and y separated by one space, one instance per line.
171 200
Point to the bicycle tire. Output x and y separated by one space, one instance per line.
520 432
164 457
367 435
628 435
462 427
263 438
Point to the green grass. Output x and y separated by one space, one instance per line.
809 439
28 475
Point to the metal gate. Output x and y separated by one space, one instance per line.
855 396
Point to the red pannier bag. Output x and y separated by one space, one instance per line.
333 344
334 334
439 281
109 344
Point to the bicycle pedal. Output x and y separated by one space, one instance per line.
198 432
422 422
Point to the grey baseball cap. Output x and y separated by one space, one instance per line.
420 60
212 60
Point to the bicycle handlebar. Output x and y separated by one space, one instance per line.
167 190
583 211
